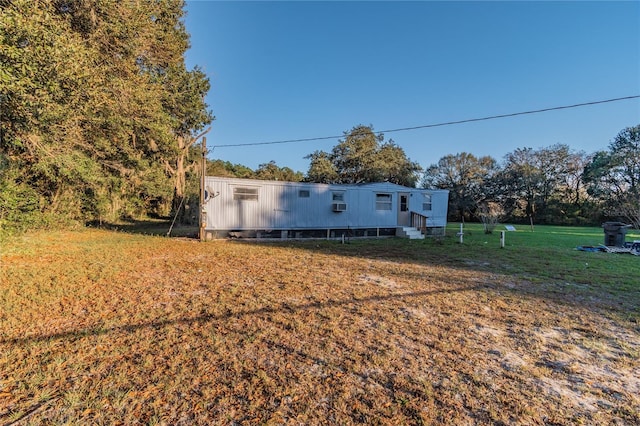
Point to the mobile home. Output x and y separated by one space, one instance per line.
274 209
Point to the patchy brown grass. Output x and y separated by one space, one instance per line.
99 327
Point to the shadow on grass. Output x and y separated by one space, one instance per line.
557 274
284 307
161 227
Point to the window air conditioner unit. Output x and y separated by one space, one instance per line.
339 207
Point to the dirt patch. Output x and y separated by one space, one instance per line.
379 281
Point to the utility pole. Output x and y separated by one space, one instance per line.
203 174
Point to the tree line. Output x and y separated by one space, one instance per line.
98 110
550 185
100 120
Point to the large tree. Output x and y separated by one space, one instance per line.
563 198
228 169
613 176
87 117
466 177
521 182
572 186
543 184
321 168
184 99
271 171
361 157
42 110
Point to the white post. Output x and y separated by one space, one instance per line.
502 233
461 233
203 181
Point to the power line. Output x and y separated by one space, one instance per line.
447 123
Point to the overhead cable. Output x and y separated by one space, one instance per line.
447 123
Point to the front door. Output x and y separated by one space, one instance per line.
404 215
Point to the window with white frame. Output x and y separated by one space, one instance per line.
404 203
337 196
244 193
426 202
383 201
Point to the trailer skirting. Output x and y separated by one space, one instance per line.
320 233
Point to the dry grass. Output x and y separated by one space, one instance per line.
100 327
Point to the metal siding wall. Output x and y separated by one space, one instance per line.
386 218
437 216
216 205
315 209
270 211
280 207
339 219
284 199
439 200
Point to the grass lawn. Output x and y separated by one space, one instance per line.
111 327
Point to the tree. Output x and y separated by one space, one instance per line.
545 185
43 92
567 201
184 99
131 45
355 157
395 167
271 171
95 98
466 177
227 169
362 157
490 214
522 182
614 176
572 187
321 168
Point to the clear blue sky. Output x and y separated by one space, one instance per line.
291 70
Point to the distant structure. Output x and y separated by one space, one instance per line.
247 208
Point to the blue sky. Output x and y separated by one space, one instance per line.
293 70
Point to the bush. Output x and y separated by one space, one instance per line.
19 207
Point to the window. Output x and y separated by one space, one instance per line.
304 193
338 196
243 193
383 201
426 202
404 204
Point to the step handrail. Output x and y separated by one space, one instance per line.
419 221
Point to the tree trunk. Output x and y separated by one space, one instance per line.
180 171
180 182
181 175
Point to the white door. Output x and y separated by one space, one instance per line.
404 215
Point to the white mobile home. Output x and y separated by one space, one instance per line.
258 208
